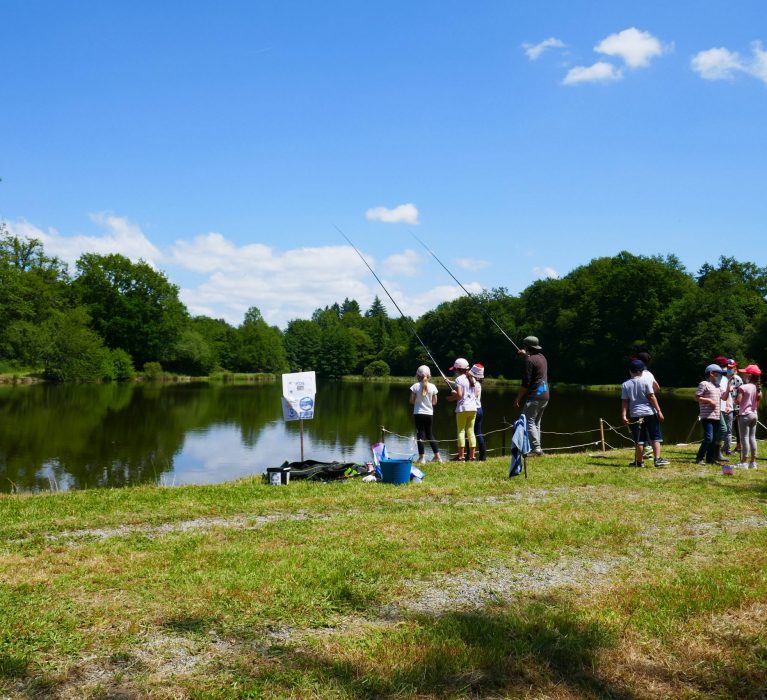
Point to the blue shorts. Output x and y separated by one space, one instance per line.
646 431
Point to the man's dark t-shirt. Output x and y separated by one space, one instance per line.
535 376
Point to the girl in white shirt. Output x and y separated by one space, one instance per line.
423 399
465 397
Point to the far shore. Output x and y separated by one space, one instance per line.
36 377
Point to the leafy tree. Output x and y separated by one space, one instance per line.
328 316
72 351
32 287
192 354
719 316
261 347
132 306
351 314
221 337
122 364
377 368
337 354
303 340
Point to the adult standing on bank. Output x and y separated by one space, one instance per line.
533 395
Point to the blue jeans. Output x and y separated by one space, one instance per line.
710 445
533 411
482 448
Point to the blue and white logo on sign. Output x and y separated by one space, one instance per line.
306 403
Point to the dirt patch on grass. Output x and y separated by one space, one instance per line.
472 590
718 656
239 522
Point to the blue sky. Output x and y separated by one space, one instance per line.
223 141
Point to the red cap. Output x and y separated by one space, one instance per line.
752 369
721 361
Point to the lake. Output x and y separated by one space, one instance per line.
58 437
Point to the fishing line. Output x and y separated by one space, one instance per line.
409 322
479 303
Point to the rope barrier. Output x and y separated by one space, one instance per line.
572 447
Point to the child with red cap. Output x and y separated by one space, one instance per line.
749 396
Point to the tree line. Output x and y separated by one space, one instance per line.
112 317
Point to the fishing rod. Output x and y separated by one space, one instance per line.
410 323
482 308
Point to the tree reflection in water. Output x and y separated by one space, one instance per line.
88 436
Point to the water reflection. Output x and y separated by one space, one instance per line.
70 436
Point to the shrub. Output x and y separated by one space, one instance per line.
123 365
377 368
153 371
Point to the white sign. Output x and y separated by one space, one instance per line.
298 390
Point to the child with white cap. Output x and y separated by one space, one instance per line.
465 397
423 399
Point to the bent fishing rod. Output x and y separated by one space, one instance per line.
410 323
479 303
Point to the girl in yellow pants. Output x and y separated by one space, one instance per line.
464 395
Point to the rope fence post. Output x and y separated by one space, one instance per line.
383 434
602 433
503 440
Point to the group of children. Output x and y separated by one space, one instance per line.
727 403
467 395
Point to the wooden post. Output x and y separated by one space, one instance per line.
602 433
503 440
301 427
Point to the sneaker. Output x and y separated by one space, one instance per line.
752 465
741 465
421 459
457 459
636 464
700 463
437 458
661 462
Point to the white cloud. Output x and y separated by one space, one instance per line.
635 47
549 272
406 264
600 72
717 64
534 51
120 236
472 264
723 64
402 214
758 66
282 284
415 305
221 279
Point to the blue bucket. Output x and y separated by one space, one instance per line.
395 471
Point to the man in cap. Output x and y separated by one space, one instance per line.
533 395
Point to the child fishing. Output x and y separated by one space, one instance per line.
465 397
423 399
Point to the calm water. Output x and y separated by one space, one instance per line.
69 436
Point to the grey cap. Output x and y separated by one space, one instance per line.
531 342
715 368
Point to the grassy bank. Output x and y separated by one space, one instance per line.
590 579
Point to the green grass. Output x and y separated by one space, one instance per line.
629 583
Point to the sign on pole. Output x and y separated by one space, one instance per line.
298 390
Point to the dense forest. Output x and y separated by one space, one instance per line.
111 317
